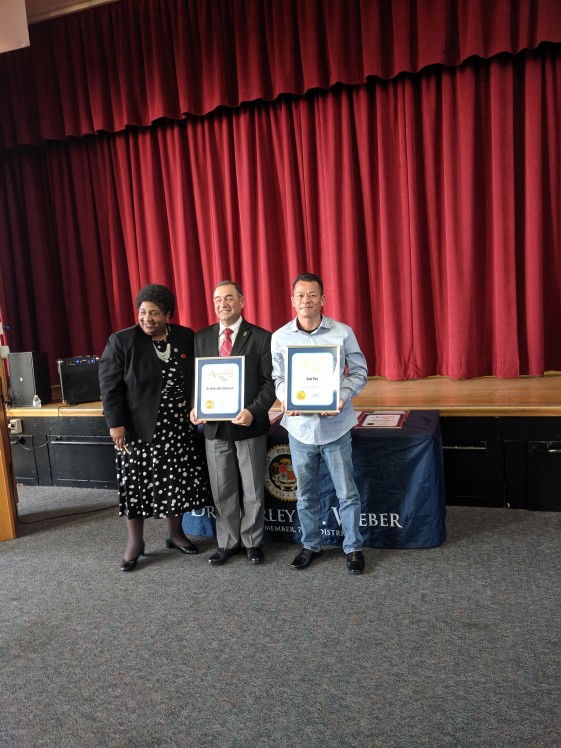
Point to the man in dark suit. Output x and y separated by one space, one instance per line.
236 449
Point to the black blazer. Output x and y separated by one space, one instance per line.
130 378
259 391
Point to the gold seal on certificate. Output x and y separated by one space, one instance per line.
313 378
219 387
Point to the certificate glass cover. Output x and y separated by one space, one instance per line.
219 387
312 378
382 419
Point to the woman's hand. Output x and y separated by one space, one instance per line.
117 433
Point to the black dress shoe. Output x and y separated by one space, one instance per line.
190 549
355 562
304 558
131 565
254 555
222 555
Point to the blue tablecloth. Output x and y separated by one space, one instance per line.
400 476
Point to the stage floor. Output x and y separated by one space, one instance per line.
484 396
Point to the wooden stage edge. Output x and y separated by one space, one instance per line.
484 396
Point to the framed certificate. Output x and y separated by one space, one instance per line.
219 387
382 419
313 378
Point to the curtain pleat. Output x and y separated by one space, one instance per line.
132 62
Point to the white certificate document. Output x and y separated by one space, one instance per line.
315 376
219 388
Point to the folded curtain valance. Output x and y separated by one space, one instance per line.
132 62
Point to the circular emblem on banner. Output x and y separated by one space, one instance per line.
280 480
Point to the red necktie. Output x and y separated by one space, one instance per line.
226 347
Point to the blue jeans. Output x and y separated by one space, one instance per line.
338 458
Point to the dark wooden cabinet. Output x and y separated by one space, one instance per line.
473 461
64 451
512 462
544 475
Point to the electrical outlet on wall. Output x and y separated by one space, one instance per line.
15 426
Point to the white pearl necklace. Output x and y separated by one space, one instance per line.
162 355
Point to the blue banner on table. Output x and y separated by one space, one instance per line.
400 476
281 517
201 522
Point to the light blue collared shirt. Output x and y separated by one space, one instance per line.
312 428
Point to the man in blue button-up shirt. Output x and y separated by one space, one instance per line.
312 435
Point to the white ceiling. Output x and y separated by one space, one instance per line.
41 10
17 15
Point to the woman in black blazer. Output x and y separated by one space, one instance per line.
146 377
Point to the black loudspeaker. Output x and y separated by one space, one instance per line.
79 379
29 376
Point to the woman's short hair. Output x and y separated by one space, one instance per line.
159 295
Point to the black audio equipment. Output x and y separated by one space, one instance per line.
29 376
79 379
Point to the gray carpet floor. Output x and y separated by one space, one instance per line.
452 646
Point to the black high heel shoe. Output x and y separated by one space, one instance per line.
130 565
189 549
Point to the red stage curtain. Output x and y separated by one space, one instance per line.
135 61
429 203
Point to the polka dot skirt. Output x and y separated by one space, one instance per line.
169 476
